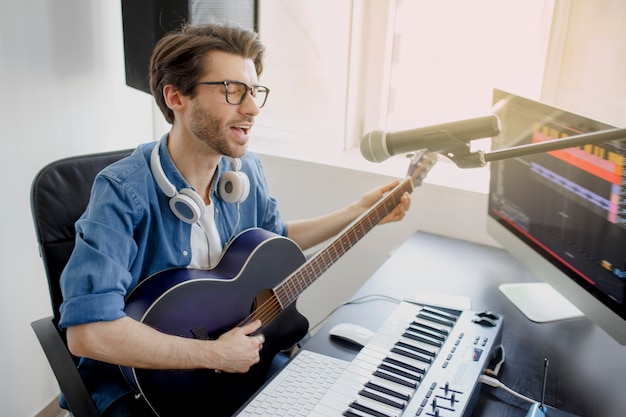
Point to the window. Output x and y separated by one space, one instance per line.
306 68
587 59
339 68
449 55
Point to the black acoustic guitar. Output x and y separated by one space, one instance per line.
259 276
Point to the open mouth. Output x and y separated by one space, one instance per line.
245 130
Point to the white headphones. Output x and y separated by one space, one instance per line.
187 205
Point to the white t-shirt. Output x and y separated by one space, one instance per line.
206 246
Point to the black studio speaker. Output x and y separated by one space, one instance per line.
144 22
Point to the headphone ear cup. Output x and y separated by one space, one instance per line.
187 205
234 187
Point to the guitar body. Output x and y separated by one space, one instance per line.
205 304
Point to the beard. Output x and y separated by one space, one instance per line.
210 131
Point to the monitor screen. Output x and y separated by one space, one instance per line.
563 213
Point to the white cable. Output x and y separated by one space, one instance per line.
497 384
359 300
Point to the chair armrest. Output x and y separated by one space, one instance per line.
64 369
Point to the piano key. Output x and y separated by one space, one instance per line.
414 344
384 388
441 325
398 380
411 355
429 327
410 344
391 392
334 403
440 313
436 319
353 413
406 366
439 330
393 386
381 399
396 371
422 339
426 332
371 362
401 386
369 410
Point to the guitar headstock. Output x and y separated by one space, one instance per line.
421 162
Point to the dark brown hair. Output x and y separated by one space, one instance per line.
178 57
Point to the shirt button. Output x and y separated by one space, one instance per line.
185 253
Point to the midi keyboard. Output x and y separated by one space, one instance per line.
423 361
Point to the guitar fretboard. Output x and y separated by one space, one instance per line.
290 289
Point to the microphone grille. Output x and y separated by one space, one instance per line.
373 146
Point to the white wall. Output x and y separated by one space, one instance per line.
63 93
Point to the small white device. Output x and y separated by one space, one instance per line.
352 333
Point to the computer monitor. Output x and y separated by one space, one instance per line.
562 214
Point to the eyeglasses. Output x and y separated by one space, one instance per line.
236 91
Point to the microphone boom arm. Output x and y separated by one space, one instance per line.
459 151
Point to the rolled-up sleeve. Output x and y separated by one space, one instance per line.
97 278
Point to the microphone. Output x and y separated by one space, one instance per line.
377 146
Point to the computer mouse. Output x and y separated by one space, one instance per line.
351 332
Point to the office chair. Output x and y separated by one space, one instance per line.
59 195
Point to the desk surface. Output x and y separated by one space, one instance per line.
587 367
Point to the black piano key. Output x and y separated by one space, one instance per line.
400 381
411 355
441 313
358 406
405 365
399 372
403 390
350 413
416 349
443 332
377 387
422 339
383 400
436 319
427 333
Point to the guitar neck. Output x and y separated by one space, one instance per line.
288 291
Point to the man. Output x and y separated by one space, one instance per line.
205 81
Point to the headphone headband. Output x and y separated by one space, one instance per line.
187 205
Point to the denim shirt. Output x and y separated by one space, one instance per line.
128 233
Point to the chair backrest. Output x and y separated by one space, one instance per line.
59 195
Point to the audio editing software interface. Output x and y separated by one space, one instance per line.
568 204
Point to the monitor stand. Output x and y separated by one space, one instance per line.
540 302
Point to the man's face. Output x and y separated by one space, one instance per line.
222 126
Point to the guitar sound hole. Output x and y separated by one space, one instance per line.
265 306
